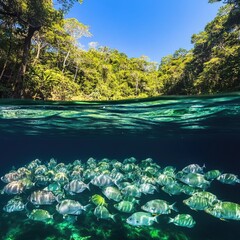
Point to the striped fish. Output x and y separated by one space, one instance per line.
14 187
14 205
69 206
76 186
102 180
42 197
225 210
141 219
102 213
196 202
125 206
183 220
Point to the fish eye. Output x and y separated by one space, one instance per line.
137 221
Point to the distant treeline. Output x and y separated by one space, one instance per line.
40 58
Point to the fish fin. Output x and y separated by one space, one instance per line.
113 217
88 186
222 219
173 207
59 197
25 207
155 218
194 209
52 216
86 207
137 201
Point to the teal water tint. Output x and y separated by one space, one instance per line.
185 115
173 131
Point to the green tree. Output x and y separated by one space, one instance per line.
30 16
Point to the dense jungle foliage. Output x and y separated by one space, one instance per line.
40 58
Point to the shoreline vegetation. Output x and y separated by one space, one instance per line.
40 58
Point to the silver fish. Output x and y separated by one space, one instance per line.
197 203
195 180
125 206
212 174
172 189
158 206
183 220
164 179
228 178
14 205
193 168
72 207
10 177
101 212
42 197
14 187
141 219
76 186
102 181
131 190
40 215
112 193
225 210
147 188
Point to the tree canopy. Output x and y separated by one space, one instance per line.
41 58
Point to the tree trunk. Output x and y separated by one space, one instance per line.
65 60
76 72
8 54
4 68
19 87
38 54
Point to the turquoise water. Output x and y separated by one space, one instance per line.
174 131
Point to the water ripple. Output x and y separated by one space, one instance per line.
163 115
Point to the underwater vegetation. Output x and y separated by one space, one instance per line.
110 199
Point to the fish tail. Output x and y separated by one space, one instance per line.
88 186
173 207
113 217
155 218
170 220
59 197
137 201
86 207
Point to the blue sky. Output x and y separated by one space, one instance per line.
153 28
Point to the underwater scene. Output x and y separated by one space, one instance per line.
164 168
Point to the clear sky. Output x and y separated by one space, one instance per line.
154 28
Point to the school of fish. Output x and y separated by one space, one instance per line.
121 185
